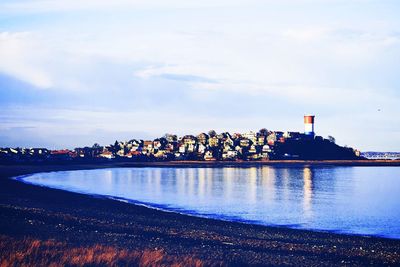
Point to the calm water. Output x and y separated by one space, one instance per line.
358 200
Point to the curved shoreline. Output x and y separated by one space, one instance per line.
193 213
31 211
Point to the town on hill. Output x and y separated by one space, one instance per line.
211 146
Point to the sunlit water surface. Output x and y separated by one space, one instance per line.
355 200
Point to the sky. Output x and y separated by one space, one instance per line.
73 73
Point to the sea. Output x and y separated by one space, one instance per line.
347 200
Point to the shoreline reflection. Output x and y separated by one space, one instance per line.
341 199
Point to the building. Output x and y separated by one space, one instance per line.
209 155
213 141
309 125
202 138
107 155
251 136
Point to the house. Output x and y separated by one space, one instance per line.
171 138
133 142
261 140
189 140
82 152
160 154
227 147
213 141
229 155
239 149
264 156
107 154
227 141
222 136
266 148
190 147
236 136
208 155
148 145
129 154
271 138
63 154
156 143
13 151
134 148
252 149
134 153
89 152
39 152
244 142
121 153
170 147
182 148
255 156
201 148
202 138
251 136
287 135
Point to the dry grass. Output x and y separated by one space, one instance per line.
33 252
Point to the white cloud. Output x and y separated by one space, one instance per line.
303 62
292 54
255 53
22 57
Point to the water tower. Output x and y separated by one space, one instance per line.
309 125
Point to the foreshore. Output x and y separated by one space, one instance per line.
42 225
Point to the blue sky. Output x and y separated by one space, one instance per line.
77 72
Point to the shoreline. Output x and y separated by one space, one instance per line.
183 163
163 208
207 239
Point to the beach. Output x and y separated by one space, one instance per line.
58 226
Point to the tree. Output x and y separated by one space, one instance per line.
114 148
116 145
96 145
212 133
331 139
170 137
263 131
163 142
96 150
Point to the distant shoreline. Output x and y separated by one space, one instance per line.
265 163
193 164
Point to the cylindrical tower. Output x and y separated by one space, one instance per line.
309 125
